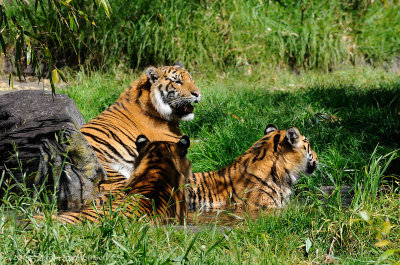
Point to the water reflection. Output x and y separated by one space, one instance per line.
221 217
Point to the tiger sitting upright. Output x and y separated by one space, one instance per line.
153 105
161 171
260 178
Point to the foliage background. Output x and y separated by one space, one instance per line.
203 33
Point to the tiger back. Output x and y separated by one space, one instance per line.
162 169
153 105
262 177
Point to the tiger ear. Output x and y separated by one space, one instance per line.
270 128
152 74
183 145
293 136
178 64
141 141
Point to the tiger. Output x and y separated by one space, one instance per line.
161 172
153 105
260 178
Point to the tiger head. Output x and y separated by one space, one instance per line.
295 150
282 154
173 92
165 156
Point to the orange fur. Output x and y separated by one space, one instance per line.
260 178
161 171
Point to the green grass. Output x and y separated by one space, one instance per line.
311 34
351 118
314 35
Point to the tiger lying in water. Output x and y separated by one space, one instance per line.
161 171
260 178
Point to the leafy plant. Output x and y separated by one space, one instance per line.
294 35
382 233
41 34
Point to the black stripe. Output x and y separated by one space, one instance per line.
138 96
261 181
276 203
213 182
276 141
203 193
260 155
230 180
273 173
173 136
69 218
209 195
108 146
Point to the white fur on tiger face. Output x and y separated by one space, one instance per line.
173 92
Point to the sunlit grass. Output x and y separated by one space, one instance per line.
351 118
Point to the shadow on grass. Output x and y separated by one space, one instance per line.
373 115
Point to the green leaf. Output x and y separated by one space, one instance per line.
387 254
184 258
382 243
71 23
3 45
106 5
28 50
120 245
179 259
386 228
54 76
62 76
146 228
31 20
28 55
216 244
308 245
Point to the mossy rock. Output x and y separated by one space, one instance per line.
40 144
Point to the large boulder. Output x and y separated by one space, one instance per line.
41 146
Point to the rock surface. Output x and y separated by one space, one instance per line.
40 144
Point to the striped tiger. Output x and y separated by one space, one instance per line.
153 105
161 172
262 177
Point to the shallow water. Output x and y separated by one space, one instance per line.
222 217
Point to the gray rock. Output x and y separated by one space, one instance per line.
40 145
346 194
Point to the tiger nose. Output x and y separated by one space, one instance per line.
196 93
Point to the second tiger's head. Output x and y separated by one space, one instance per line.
163 156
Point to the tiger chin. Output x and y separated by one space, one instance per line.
155 191
261 178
